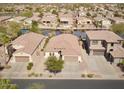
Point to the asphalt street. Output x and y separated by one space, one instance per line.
71 84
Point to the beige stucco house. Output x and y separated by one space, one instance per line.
3 19
66 19
18 19
65 46
83 21
26 46
105 43
116 20
48 20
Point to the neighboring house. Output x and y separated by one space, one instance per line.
28 22
82 21
27 46
103 22
106 23
3 19
18 19
65 46
105 43
49 20
82 13
66 19
116 20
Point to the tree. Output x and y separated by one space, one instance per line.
54 12
27 14
54 65
13 29
118 28
34 27
6 84
88 14
3 29
4 39
36 86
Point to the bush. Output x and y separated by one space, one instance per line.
36 75
41 74
30 64
90 75
82 75
50 76
29 67
54 65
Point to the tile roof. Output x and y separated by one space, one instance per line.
118 52
49 17
67 43
2 18
108 36
29 41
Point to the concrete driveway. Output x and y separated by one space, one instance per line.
99 65
73 69
16 70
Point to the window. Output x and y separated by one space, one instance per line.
112 44
94 42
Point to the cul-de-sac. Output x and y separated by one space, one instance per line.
61 41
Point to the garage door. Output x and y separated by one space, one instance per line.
98 52
22 59
71 58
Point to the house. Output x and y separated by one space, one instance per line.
66 19
82 13
106 23
49 20
116 20
27 46
82 21
3 19
18 19
105 43
103 22
65 46
28 22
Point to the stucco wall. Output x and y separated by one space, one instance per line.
99 42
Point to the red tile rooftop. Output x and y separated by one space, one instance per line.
29 41
67 43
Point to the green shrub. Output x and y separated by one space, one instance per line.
36 75
82 75
32 73
30 64
29 67
50 76
90 75
41 74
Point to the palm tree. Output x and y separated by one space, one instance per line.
4 39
